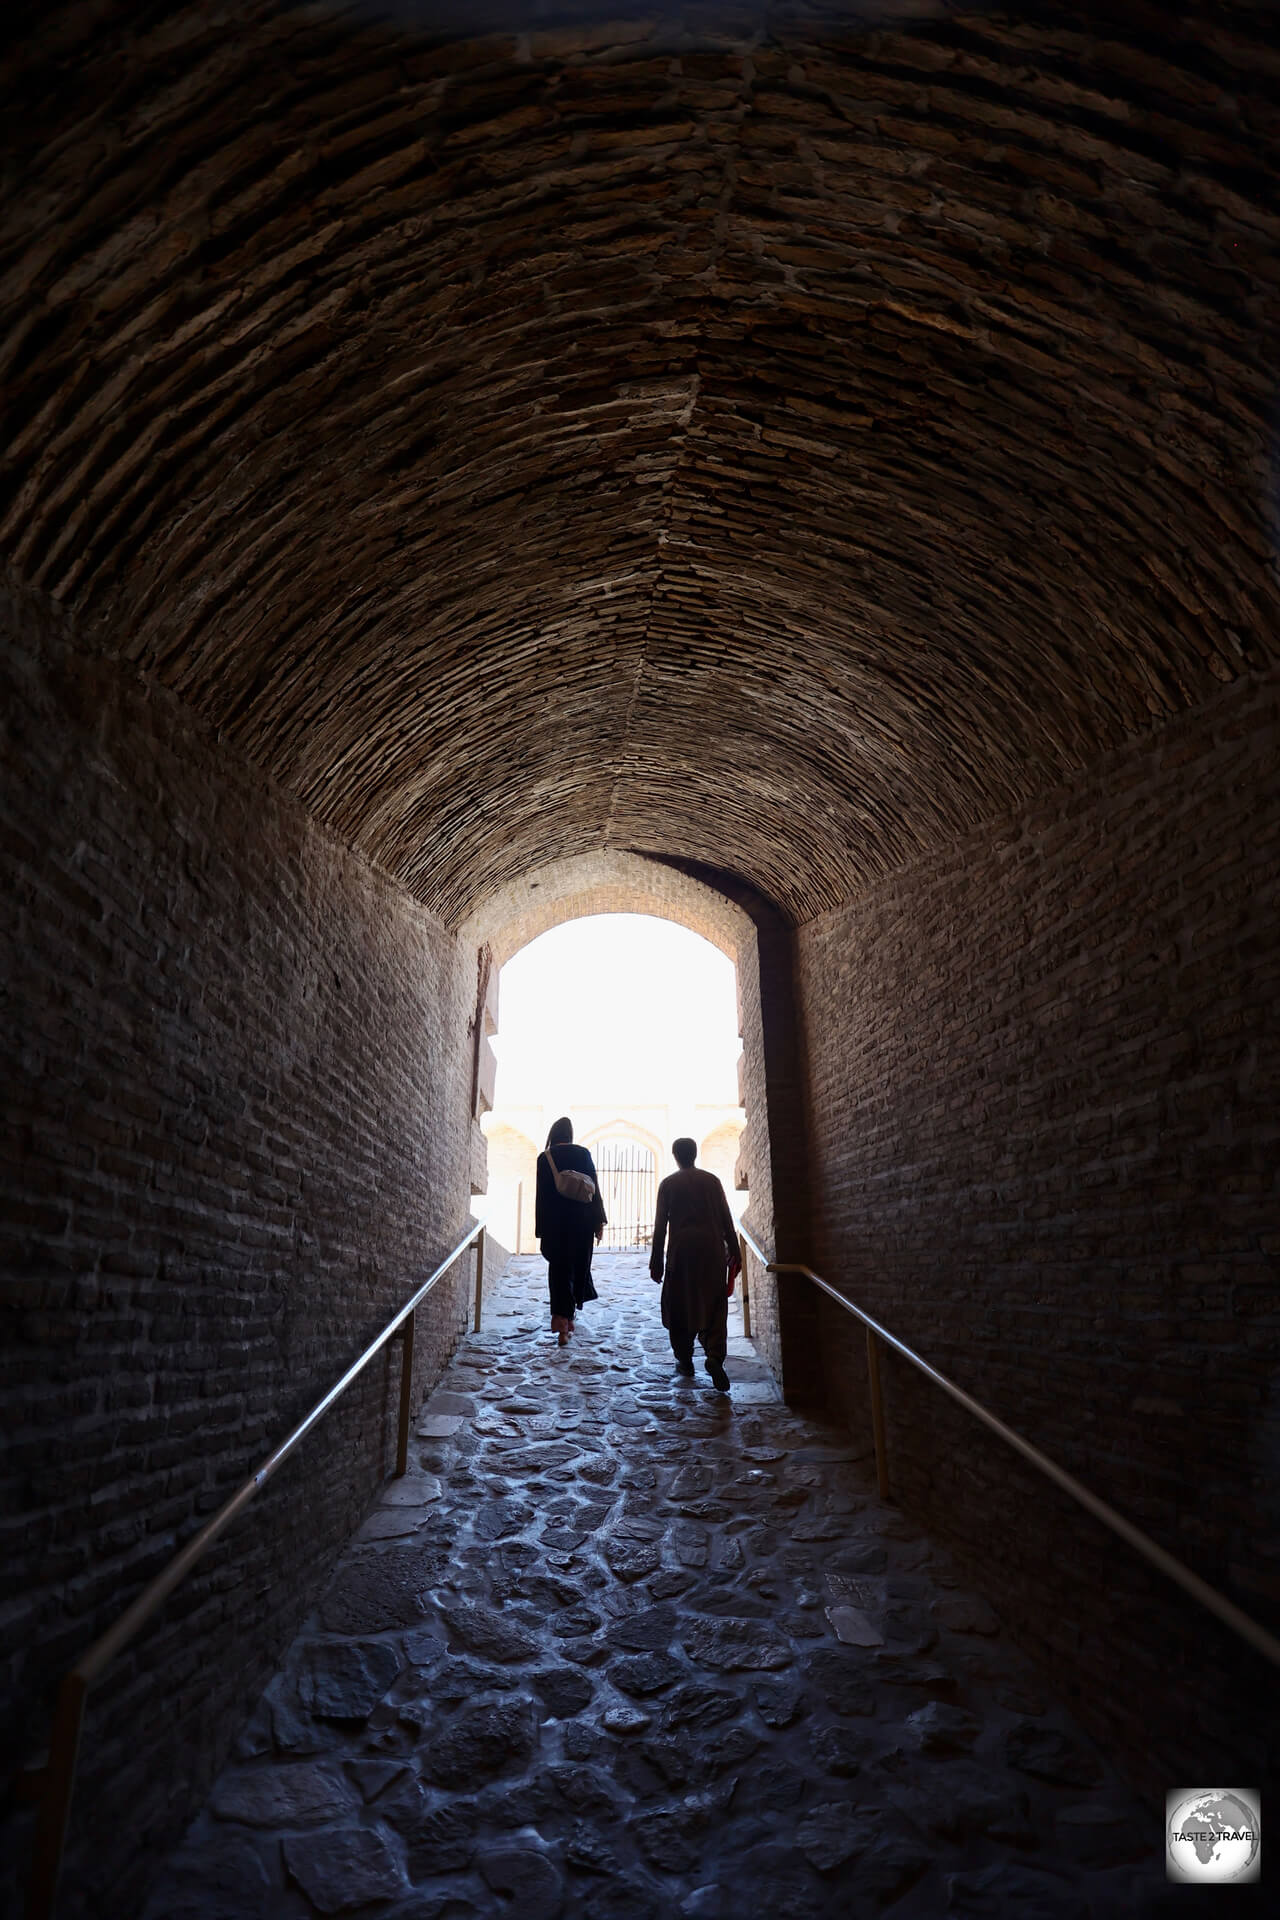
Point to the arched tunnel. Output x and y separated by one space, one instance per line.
809 471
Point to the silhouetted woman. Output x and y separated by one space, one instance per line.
567 1217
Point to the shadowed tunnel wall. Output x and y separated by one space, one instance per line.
237 1064
236 1071
1044 1086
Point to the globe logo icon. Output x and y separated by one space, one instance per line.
1213 1835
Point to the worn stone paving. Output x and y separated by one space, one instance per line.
621 1646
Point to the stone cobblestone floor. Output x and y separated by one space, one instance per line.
622 1647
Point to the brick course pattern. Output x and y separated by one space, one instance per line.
235 1072
804 445
605 880
1045 1119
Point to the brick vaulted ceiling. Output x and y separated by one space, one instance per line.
774 439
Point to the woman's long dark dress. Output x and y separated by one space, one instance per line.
566 1230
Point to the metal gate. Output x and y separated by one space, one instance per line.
628 1185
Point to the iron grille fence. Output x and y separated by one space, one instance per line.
628 1187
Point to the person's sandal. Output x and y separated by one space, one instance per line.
719 1378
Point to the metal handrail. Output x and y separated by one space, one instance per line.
756 1248
1216 1603
53 1783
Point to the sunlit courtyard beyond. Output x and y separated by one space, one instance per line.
629 1026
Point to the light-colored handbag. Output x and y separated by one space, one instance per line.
571 1184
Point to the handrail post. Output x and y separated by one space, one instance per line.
55 1802
746 1289
406 1396
877 1414
479 1278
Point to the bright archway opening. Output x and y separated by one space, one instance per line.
628 1024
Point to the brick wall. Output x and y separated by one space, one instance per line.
1045 1112
600 879
235 1078
757 1153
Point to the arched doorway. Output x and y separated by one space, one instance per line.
720 1152
512 1170
751 933
628 1161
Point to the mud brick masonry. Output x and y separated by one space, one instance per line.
809 473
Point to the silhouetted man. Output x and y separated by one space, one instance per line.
701 1244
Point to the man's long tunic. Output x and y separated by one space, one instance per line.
694 1222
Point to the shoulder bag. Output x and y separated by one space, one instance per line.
571 1184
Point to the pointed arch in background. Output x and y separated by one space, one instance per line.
619 1128
720 1152
512 1170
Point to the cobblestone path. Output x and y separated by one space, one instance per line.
622 1647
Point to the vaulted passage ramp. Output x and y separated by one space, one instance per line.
808 470
619 1646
